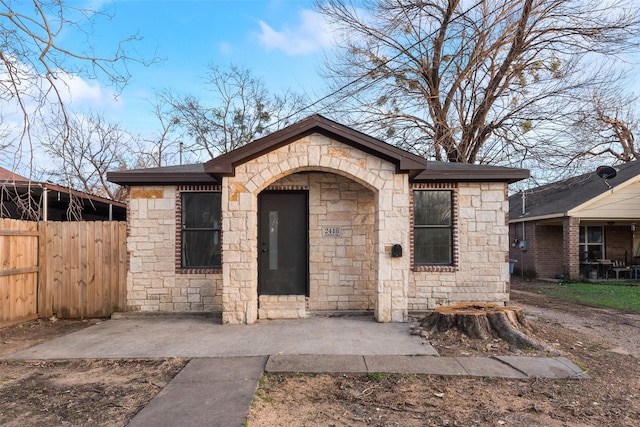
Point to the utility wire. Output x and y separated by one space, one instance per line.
364 75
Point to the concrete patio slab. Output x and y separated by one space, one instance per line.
207 337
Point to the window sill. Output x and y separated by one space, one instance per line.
199 270
434 268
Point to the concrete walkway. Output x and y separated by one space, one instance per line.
207 392
218 385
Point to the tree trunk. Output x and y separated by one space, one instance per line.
483 321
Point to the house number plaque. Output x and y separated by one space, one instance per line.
331 231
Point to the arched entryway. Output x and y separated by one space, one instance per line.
338 245
359 191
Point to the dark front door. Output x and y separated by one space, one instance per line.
283 243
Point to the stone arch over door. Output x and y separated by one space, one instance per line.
314 153
341 235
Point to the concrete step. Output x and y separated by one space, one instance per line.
282 307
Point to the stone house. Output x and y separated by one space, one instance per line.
316 217
584 227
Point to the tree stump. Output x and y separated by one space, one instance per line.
483 321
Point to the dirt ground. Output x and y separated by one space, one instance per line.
606 343
73 392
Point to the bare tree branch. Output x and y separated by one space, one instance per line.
93 148
474 82
241 110
36 63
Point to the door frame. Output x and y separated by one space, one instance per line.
305 218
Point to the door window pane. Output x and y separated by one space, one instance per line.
273 240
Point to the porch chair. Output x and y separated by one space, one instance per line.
621 267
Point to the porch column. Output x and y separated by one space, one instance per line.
571 247
392 227
240 253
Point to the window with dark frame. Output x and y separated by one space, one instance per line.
432 227
201 228
591 243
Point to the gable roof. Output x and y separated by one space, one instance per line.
557 199
403 160
418 169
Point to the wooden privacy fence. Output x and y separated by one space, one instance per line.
72 269
18 269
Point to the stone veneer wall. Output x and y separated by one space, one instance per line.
313 153
355 191
342 267
481 272
153 282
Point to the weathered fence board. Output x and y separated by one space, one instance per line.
18 269
71 269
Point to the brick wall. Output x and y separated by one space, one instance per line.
571 247
619 243
547 245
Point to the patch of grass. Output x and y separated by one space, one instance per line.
264 398
263 378
580 365
624 297
376 376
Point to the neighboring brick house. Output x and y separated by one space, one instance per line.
582 227
316 217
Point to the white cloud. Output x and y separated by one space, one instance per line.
311 34
86 92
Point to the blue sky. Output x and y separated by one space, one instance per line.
279 41
282 42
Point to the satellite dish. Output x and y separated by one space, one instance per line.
606 172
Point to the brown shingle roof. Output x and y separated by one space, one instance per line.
458 172
8 176
556 199
418 168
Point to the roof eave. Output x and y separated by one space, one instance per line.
509 176
152 178
526 218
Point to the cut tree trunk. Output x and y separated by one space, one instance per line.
483 321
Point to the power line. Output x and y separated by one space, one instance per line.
364 75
